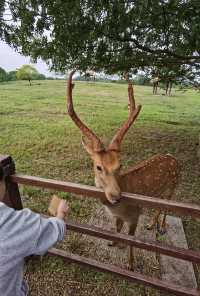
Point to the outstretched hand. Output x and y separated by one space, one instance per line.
63 209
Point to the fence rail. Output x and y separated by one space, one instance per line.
126 274
157 247
13 199
186 209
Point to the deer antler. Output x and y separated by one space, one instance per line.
133 113
96 142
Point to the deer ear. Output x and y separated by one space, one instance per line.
88 146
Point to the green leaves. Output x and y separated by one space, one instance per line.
106 35
27 72
3 75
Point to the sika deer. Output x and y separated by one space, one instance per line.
156 177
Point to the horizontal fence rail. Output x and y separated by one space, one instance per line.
186 209
176 252
126 274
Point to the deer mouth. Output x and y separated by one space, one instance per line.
115 201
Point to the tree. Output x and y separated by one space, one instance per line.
141 79
110 35
11 76
174 74
2 23
27 72
3 75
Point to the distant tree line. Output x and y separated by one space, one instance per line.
26 72
7 76
182 77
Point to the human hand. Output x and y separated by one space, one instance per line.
62 210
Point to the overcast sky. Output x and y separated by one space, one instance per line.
10 60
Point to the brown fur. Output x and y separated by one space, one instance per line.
156 177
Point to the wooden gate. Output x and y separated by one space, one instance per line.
13 199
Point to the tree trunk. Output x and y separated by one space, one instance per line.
167 87
170 88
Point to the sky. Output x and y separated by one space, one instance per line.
11 60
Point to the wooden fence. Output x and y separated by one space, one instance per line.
13 199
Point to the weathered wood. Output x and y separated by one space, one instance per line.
146 260
176 270
12 196
143 261
181 208
186 209
2 185
149 245
7 165
98 248
126 274
5 159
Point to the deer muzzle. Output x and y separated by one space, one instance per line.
116 200
113 198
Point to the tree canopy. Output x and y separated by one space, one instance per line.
3 75
103 35
27 72
175 73
12 75
7 76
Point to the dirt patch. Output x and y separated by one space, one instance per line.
145 262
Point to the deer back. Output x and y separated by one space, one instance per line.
151 177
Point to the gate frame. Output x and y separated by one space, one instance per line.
13 199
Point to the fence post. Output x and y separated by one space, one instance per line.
12 196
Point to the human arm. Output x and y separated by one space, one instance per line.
24 232
52 230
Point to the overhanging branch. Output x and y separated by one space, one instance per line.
157 51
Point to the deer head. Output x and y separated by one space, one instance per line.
106 160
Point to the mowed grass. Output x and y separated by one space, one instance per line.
36 130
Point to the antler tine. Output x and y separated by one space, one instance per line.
97 144
133 113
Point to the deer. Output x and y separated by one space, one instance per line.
155 177
155 81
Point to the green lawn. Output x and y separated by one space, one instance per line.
36 131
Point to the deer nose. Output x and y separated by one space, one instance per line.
116 199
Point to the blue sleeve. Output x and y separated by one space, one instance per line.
24 232
50 231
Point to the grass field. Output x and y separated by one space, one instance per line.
36 131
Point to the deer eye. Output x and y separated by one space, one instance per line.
99 168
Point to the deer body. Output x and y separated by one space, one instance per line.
155 81
156 177
151 177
